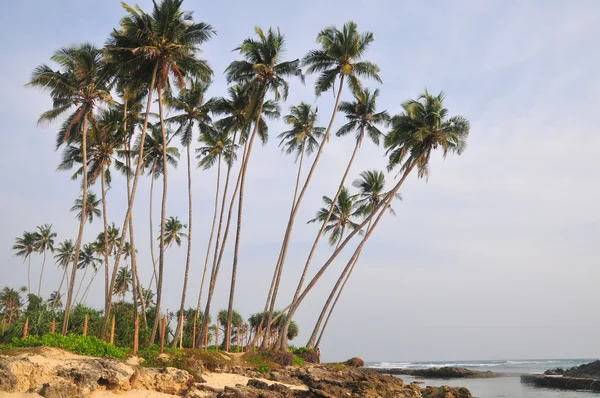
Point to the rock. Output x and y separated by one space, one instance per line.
587 371
446 392
63 389
355 362
555 372
564 382
439 373
166 380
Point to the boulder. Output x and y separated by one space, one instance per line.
555 372
587 371
355 362
63 389
446 392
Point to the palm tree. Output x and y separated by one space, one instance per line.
64 256
341 219
44 241
88 259
217 145
24 247
262 71
82 82
162 45
174 231
55 299
91 207
339 58
421 128
371 185
11 304
123 282
195 111
153 162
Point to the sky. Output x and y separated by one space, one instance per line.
495 256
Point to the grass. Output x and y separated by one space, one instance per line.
75 343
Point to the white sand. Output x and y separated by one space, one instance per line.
222 380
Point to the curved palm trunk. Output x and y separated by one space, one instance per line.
212 231
133 190
163 217
219 253
154 270
189 248
236 253
288 233
107 293
283 336
59 288
29 273
80 283
385 204
42 274
65 326
311 343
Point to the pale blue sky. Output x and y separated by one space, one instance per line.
496 256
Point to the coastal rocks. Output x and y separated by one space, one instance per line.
165 380
355 362
440 373
555 372
563 382
446 392
588 371
63 389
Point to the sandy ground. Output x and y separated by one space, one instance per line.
98 394
221 380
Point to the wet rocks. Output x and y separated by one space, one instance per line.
446 372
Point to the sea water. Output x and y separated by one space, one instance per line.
509 386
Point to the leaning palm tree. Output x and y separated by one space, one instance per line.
88 260
217 145
91 207
416 133
342 217
157 47
371 185
83 81
153 162
174 231
261 71
340 58
24 246
195 111
64 256
44 242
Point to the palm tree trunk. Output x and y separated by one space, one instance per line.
288 233
80 283
65 326
385 204
154 270
87 289
29 273
320 234
212 231
189 247
59 288
133 190
42 274
163 217
107 293
214 271
236 253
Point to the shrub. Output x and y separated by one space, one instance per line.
298 361
78 344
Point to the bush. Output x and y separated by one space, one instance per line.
299 350
298 361
78 344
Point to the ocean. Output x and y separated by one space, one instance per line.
502 387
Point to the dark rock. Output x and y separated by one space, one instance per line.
555 372
446 392
564 382
587 371
440 373
355 362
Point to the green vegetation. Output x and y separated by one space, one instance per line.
75 343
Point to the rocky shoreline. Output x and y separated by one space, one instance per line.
54 373
584 377
439 373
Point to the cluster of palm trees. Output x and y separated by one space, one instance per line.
106 95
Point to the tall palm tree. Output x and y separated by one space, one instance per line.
161 45
123 282
11 304
371 185
83 81
88 260
217 145
91 207
262 71
420 129
64 257
44 242
24 246
339 58
55 299
195 112
174 231
153 162
341 219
